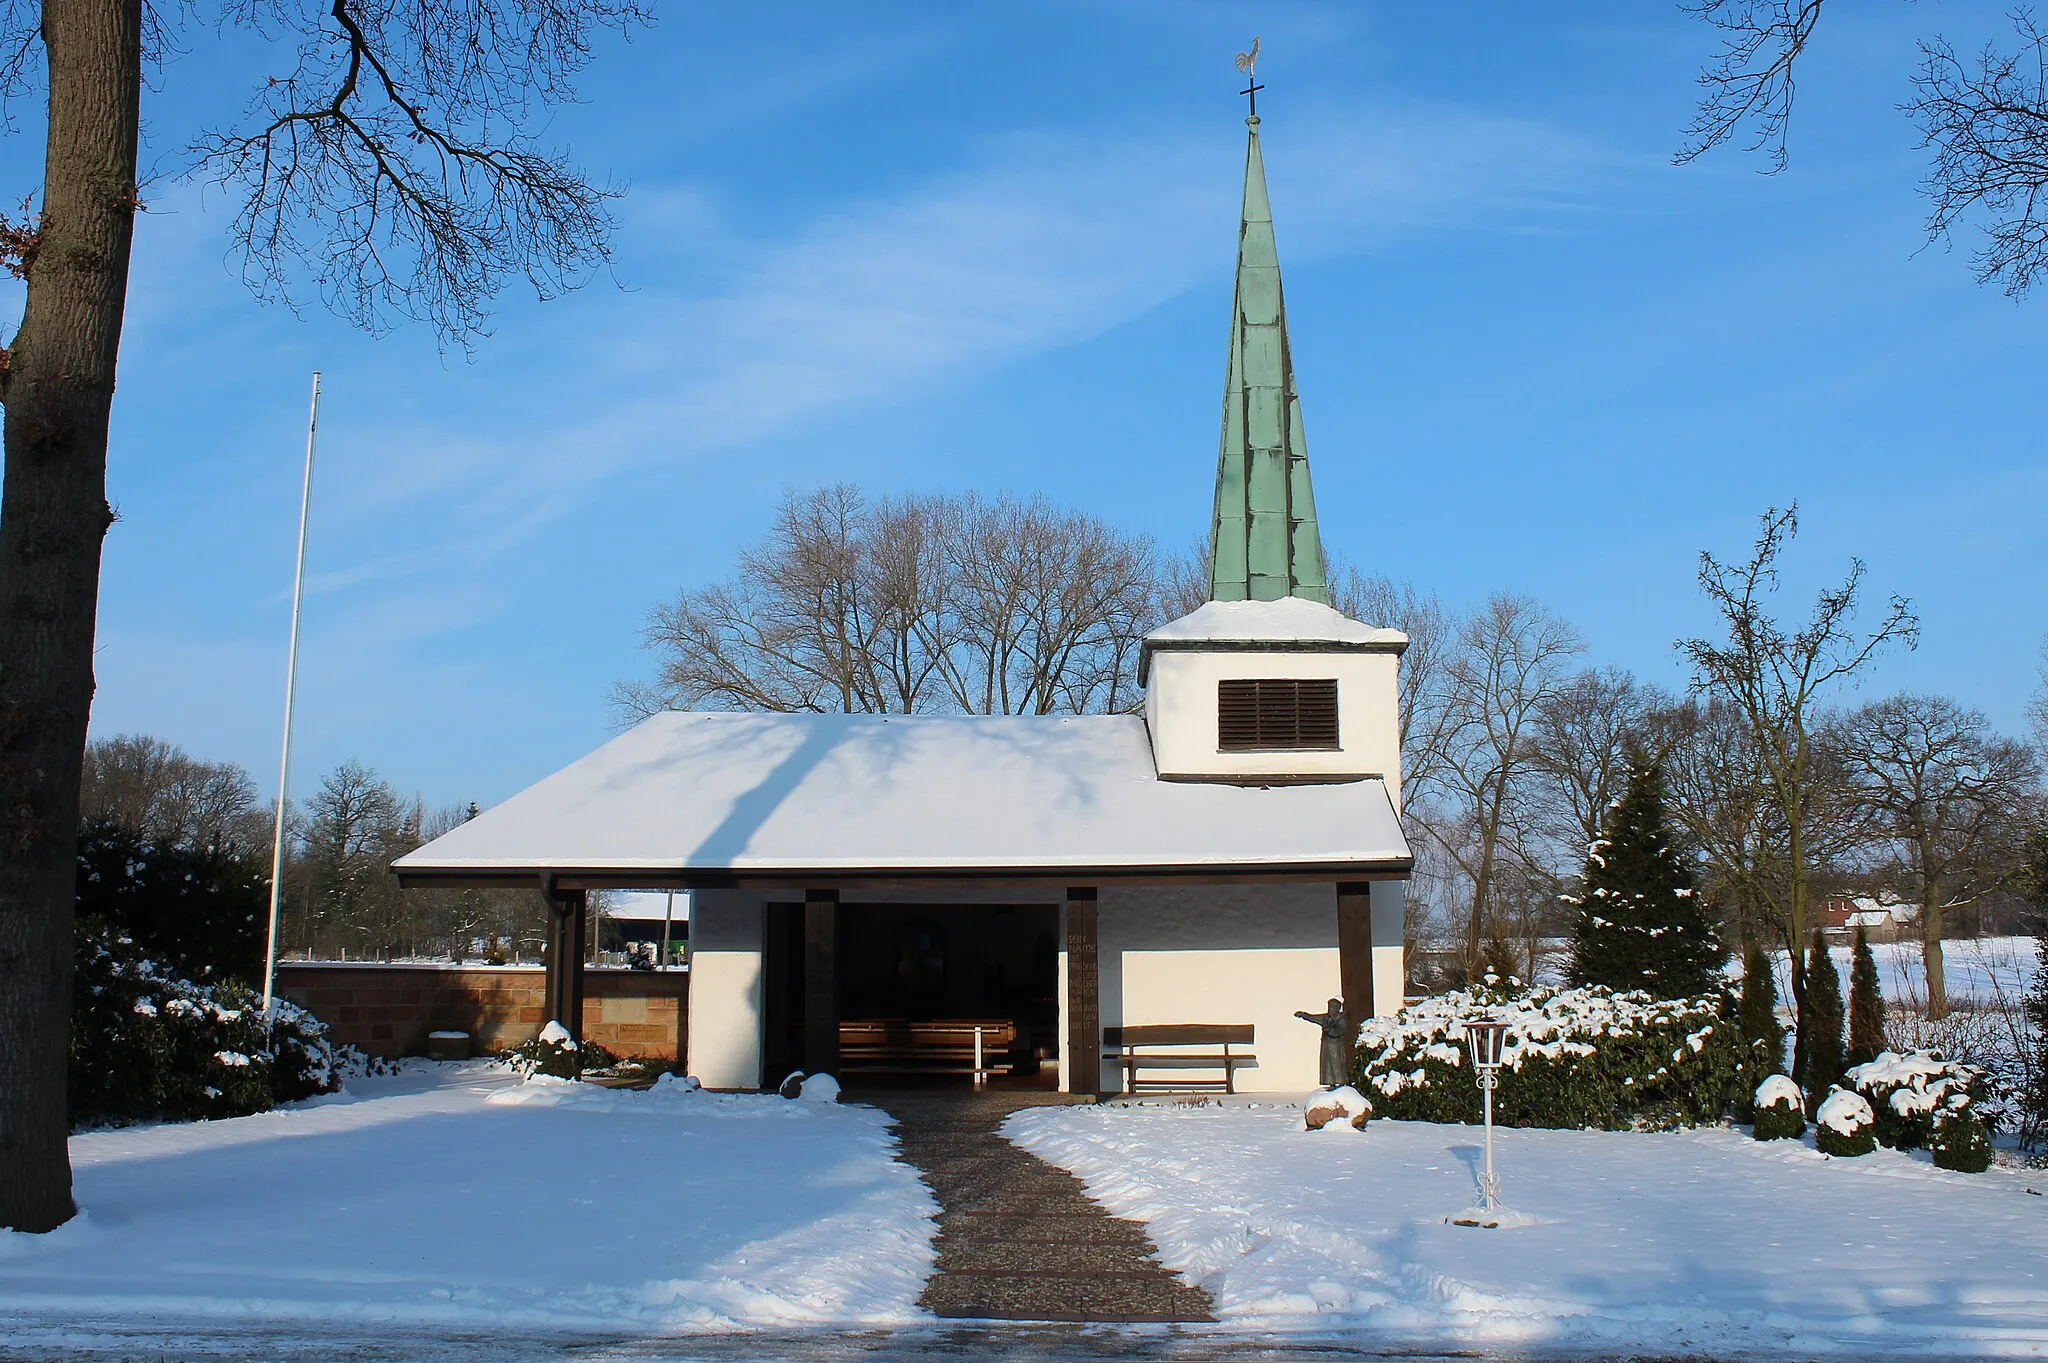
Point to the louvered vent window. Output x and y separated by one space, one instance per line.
1276 714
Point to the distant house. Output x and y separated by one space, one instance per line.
1883 917
1220 861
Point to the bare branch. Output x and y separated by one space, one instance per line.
1987 123
1748 83
397 165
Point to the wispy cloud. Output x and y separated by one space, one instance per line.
1043 242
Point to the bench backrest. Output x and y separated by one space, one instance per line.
995 1032
1180 1034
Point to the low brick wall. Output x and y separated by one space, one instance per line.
388 1010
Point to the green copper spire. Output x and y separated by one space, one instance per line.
1263 544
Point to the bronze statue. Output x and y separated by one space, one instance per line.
1338 1039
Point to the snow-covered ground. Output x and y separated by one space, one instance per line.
417 1200
1978 970
1700 1241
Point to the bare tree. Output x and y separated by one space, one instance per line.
1506 664
2037 708
1948 801
1985 119
1388 604
1582 739
962 604
157 789
1775 681
394 165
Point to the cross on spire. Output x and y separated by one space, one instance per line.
1247 62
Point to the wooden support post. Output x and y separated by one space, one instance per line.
579 938
1081 1064
555 951
821 982
1354 950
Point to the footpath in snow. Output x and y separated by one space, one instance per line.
456 1196
1697 1241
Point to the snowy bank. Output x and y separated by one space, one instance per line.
456 1195
1690 1241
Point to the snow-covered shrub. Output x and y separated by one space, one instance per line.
1960 1141
147 1045
1574 1058
1844 1124
555 1053
198 912
1780 1109
1908 1092
1343 1106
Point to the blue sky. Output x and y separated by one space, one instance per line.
988 246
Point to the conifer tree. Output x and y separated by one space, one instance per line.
1820 1024
1763 1034
1641 924
2034 1096
1866 1004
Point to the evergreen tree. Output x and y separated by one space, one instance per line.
1762 1033
1866 1004
2034 1096
1820 1024
1641 924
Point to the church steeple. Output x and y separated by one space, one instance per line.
1263 544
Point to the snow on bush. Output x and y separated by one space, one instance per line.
1339 1109
1909 1092
819 1088
1845 1125
557 1054
1960 1141
148 1045
1586 1057
1780 1109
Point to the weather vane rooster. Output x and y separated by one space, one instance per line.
1246 61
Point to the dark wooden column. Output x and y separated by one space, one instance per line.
821 981
1081 1062
579 942
1354 949
568 917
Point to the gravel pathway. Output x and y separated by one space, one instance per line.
1020 1239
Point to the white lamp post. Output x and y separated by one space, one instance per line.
1488 1039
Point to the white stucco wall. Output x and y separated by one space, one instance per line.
1180 710
1231 953
726 931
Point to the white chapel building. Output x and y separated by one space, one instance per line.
869 890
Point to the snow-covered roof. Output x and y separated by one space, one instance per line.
772 793
1290 620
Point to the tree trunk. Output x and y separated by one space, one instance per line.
57 387
1930 956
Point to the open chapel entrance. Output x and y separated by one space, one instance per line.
914 982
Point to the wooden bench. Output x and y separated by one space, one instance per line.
899 1046
1134 1047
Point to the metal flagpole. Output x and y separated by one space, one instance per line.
291 686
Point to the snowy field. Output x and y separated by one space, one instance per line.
454 1197
1978 970
1694 1242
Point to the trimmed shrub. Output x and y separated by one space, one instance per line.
1820 1025
555 1053
1909 1092
1960 1141
1866 1004
147 1045
1574 1058
1780 1110
1845 1125
1756 1018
